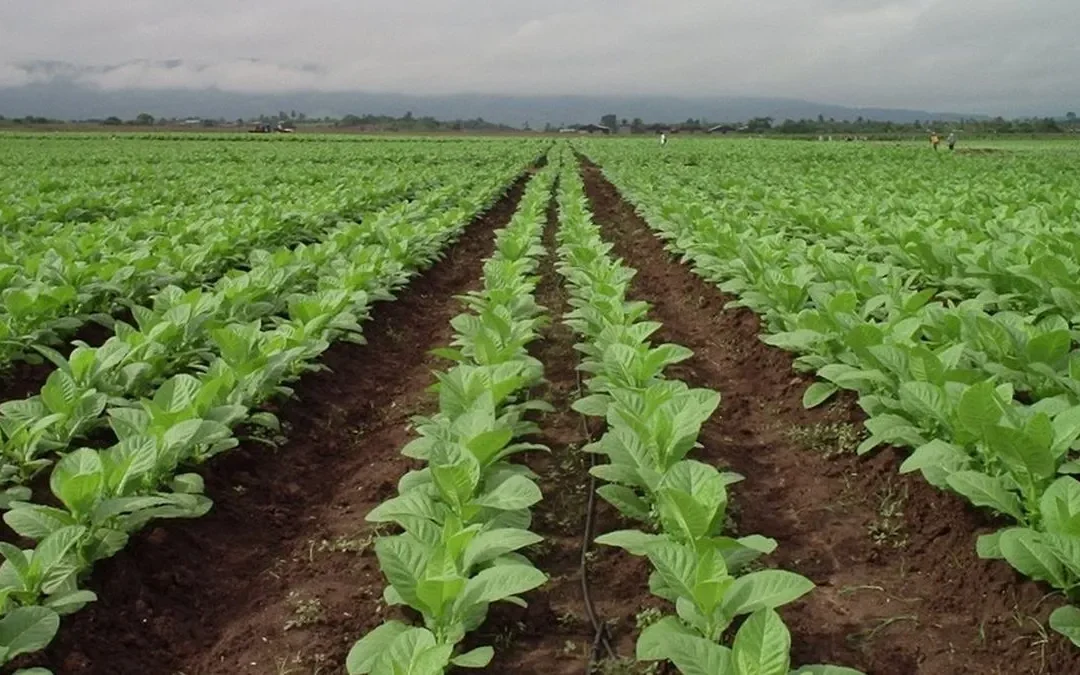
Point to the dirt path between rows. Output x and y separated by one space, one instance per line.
274 579
555 634
900 590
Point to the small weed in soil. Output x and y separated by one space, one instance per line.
828 438
305 612
625 666
887 529
862 640
347 544
647 617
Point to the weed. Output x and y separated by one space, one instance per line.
346 544
888 528
647 617
566 619
625 666
305 612
863 638
828 438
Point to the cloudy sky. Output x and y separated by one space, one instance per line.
995 56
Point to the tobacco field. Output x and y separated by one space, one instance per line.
410 406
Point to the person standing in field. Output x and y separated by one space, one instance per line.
951 140
935 140
663 138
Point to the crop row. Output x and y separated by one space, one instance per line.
57 275
988 401
106 495
653 425
465 515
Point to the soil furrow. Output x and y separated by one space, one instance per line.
555 635
900 590
278 577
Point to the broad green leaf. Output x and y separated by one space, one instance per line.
767 589
817 393
476 658
762 645
27 629
1066 621
983 490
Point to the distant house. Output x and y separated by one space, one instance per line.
192 121
594 129
721 129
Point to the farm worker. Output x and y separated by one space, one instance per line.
951 140
663 138
935 140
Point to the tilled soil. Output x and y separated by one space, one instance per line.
900 589
277 578
555 635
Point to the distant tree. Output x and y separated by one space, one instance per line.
1069 116
113 121
820 119
759 124
144 120
239 121
408 116
610 121
637 126
548 128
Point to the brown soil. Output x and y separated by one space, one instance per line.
555 634
261 585
900 590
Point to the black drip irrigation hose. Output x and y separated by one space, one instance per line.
601 636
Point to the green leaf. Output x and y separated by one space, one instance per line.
817 393
691 654
1024 551
77 480
501 582
767 589
983 490
491 544
516 492
592 406
632 541
762 645
1066 621
367 650
27 629
979 410
476 658
69 603
937 460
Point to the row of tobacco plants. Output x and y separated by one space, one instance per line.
956 332
464 516
92 226
653 425
235 347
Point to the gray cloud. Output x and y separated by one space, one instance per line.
995 56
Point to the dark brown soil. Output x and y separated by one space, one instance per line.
555 634
900 590
261 584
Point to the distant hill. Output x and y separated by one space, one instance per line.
60 99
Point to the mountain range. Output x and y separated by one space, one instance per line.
61 95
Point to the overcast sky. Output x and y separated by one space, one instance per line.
994 56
